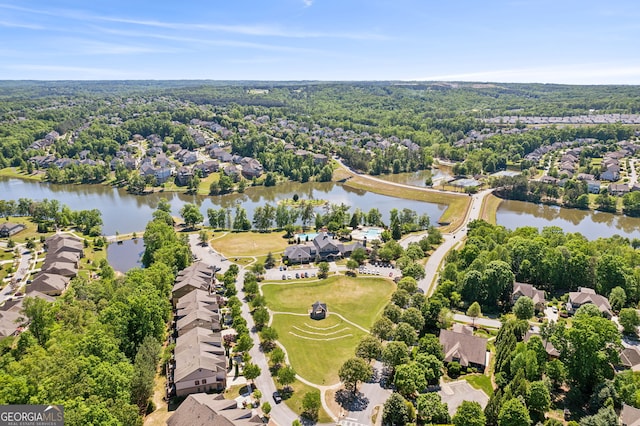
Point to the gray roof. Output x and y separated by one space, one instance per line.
530 291
630 358
9 322
202 338
48 283
466 348
191 358
630 416
211 410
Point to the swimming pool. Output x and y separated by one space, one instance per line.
309 236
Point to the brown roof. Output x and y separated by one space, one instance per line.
193 354
630 358
630 416
48 283
530 291
211 410
198 298
548 346
588 295
9 322
463 347
59 241
206 340
199 318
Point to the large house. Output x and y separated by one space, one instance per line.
323 247
465 348
522 289
630 358
197 276
8 229
204 410
586 295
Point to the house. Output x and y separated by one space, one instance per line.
59 243
549 180
48 283
197 299
8 229
586 295
194 369
208 341
466 349
10 322
618 189
65 269
183 176
630 358
318 311
629 416
323 247
206 168
199 318
201 409
198 275
251 168
522 289
593 186
612 173
552 352
320 159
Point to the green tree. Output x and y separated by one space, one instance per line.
539 400
474 312
406 333
409 379
251 371
382 328
41 317
144 372
617 298
369 348
260 317
240 220
523 308
286 376
431 409
311 404
514 413
629 320
323 270
395 353
354 370
469 413
395 412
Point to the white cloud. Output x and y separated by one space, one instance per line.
20 25
307 3
598 73
53 72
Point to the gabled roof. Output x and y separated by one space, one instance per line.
630 416
466 348
324 243
630 358
204 339
191 359
197 298
537 296
63 241
319 306
588 295
200 317
10 321
211 410
47 283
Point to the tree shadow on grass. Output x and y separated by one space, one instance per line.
350 401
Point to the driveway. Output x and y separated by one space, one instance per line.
454 393
485 322
371 395
207 254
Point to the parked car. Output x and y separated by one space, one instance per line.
284 277
277 398
306 275
297 275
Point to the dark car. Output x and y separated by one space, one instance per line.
276 397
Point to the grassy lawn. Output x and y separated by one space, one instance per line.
295 401
30 232
490 208
360 300
13 172
317 349
249 243
480 381
93 255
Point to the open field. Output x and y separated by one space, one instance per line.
360 300
317 349
30 232
480 381
295 401
13 172
249 243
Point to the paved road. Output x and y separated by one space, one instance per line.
451 240
280 413
485 322
372 395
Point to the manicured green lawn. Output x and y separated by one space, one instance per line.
295 401
249 243
360 300
480 381
317 349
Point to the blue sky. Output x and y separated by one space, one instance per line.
560 41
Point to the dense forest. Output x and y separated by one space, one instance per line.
96 348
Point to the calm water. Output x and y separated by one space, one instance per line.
417 178
593 225
125 256
123 212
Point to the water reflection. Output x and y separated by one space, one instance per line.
123 212
126 255
514 214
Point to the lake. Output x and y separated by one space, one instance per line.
592 224
123 212
126 255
